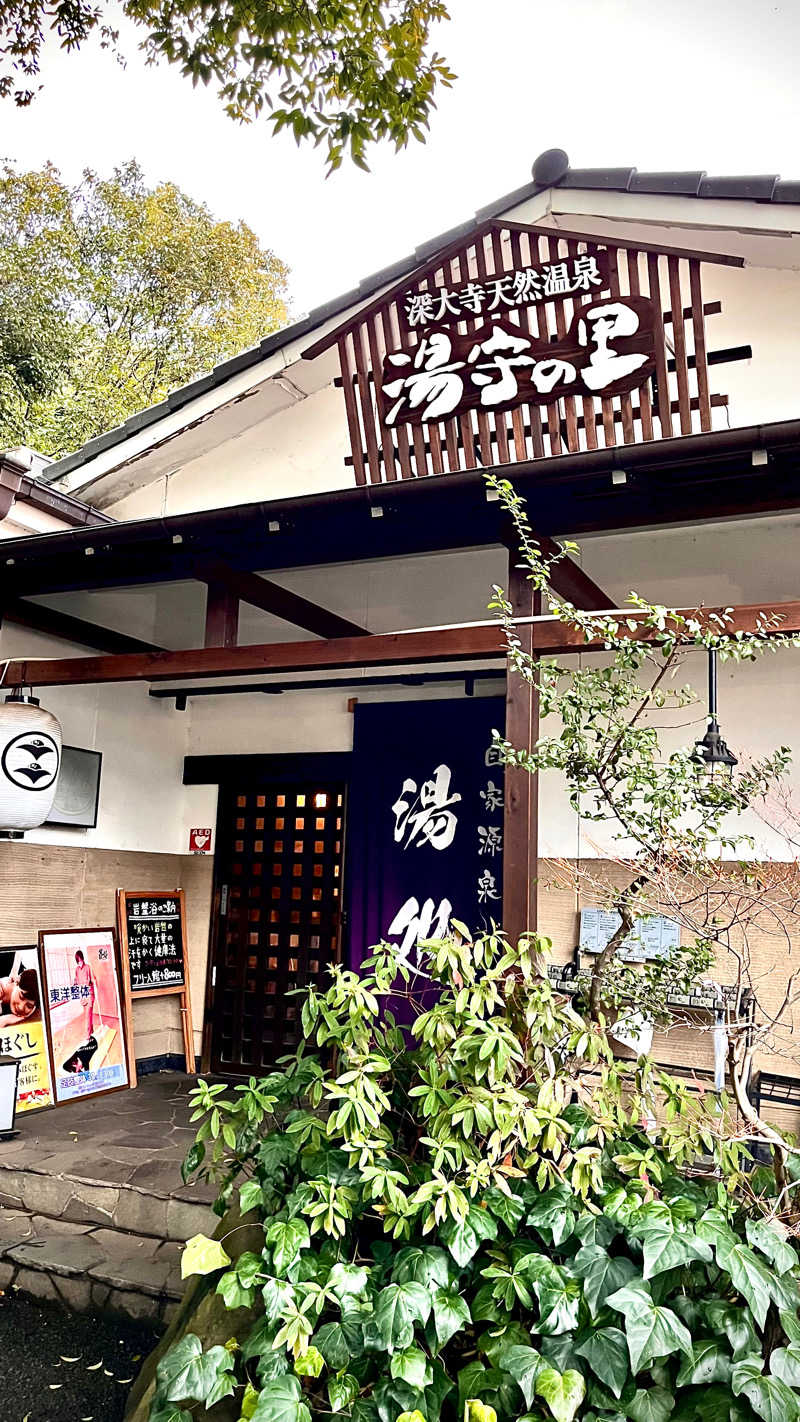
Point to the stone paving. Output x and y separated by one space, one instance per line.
95 1210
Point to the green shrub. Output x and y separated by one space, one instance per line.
480 1219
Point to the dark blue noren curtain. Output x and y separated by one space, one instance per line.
425 821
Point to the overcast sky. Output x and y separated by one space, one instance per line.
614 82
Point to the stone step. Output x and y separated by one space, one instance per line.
89 1268
144 1198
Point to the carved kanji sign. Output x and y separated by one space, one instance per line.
519 343
524 286
608 350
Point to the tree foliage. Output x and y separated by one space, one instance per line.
345 73
113 294
474 1219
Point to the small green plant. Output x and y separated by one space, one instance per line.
479 1218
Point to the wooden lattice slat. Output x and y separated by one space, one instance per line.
532 429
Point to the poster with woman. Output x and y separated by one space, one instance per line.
84 1004
23 1028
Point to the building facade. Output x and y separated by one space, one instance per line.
303 537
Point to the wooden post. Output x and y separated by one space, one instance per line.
222 617
521 826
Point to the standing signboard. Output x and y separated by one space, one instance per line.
152 931
85 998
23 1025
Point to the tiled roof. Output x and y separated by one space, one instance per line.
551 169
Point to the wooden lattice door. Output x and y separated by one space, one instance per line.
279 878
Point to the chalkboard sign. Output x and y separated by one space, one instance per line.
156 940
152 931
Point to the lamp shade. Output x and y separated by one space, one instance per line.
30 759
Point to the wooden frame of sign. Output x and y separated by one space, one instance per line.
142 975
81 942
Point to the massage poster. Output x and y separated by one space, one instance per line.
23 1025
85 1009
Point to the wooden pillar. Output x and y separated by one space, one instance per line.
521 829
222 617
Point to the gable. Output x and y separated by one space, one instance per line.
523 342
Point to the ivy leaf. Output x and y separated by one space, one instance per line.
714 1229
287 1238
348 1279
507 1208
769 1397
601 1274
666 1248
281 1401
412 1366
275 1152
464 1237
450 1313
733 1322
790 1324
170 1412
606 1352
559 1300
766 1236
427 1266
524 1364
709 1362
250 1195
248 1403
784 1363
309 1364
595 1229
195 1156
339 1342
563 1392
477 1411
652 1331
186 1372
233 1291
397 1307
552 1214
342 1390
203 1256
749 1277
277 1295
652 1404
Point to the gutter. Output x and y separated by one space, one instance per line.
681 450
16 482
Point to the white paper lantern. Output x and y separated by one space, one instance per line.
30 759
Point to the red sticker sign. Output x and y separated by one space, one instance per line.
199 841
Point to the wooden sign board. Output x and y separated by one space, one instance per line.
520 342
152 932
84 981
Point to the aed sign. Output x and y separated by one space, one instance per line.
199 841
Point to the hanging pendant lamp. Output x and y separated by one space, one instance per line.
30 759
713 749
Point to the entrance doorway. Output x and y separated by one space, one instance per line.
278 916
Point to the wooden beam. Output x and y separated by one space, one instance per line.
521 815
222 616
38 618
568 579
271 597
447 644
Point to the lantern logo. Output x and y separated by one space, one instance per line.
31 761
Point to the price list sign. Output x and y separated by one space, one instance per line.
156 948
152 929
